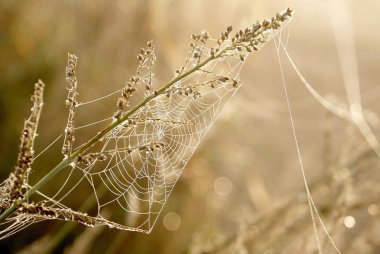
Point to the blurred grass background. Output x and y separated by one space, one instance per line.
247 164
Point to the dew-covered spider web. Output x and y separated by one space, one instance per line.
124 179
146 156
143 158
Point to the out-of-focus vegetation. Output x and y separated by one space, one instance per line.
242 190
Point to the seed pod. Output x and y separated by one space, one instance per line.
120 103
117 114
205 35
224 79
101 157
265 23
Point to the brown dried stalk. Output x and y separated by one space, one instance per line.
13 189
240 45
71 103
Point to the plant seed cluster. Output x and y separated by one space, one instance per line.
71 103
13 189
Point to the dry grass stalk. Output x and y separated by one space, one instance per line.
71 103
14 188
240 45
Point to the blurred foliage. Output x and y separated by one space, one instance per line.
246 172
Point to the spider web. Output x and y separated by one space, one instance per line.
135 183
141 182
144 156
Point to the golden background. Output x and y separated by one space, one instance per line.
247 165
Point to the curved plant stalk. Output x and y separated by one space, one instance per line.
70 159
241 45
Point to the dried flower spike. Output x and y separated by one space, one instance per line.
14 186
71 103
125 135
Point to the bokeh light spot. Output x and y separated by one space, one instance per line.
349 221
172 221
223 186
373 209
